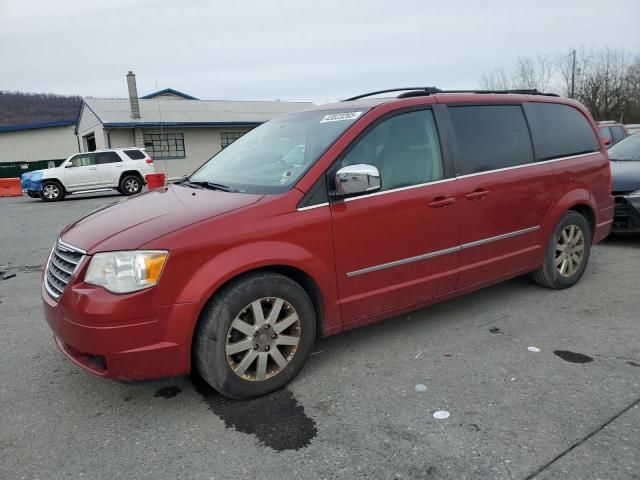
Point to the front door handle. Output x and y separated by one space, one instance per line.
93 168
440 202
478 194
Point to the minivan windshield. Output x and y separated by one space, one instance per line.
272 157
627 149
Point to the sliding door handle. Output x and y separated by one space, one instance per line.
440 202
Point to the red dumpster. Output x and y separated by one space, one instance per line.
154 180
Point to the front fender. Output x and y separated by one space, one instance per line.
244 258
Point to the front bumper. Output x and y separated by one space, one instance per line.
626 215
123 337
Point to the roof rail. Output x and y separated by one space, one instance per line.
422 90
425 91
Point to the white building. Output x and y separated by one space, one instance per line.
34 146
178 131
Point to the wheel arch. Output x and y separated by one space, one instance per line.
131 172
579 200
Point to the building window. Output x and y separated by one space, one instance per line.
163 146
227 138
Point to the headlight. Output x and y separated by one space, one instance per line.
123 272
635 194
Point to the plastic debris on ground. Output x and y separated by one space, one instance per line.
533 349
441 415
421 388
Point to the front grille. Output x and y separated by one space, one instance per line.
63 262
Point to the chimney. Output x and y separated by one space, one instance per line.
133 95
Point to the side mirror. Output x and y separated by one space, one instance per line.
354 179
607 141
68 165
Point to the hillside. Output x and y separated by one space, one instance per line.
17 108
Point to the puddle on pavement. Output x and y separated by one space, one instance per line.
168 392
277 419
573 357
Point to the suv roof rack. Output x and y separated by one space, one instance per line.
425 91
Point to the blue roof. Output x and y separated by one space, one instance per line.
170 91
33 126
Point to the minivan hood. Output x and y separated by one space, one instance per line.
128 224
625 176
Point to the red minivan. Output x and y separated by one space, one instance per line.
324 220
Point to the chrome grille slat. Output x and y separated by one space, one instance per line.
61 267
66 259
63 263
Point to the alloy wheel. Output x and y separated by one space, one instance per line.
262 339
131 185
569 250
50 191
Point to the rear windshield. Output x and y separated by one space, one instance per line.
272 157
627 149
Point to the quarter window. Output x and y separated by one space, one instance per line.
164 146
490 137
404 148
135 154
559 131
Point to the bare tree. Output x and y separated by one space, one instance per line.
529 73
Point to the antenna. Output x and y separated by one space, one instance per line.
166 166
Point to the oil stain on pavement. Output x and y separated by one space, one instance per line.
277 419
168 392
572 356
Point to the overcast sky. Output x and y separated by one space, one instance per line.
294 49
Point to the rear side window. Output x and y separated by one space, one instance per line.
490 137
559 131
135 154
107 157
617 133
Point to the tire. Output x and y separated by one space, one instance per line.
52 191
559 270
130 185
235 304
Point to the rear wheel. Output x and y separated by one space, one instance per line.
255 335
567 253
52 191
130 185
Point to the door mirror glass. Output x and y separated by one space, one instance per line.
68 165
355 179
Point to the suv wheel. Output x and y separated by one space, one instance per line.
254 335
567 253
130 185
52 191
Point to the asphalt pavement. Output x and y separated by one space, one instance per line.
364 405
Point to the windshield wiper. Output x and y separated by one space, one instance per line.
215 186
187 183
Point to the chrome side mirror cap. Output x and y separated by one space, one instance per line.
355 179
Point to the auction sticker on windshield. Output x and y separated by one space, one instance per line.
337 117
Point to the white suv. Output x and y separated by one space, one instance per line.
122 169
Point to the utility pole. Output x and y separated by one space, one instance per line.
573 75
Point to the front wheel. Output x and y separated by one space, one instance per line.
255 335
130 185
567 253
52 191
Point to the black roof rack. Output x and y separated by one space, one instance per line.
423 91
